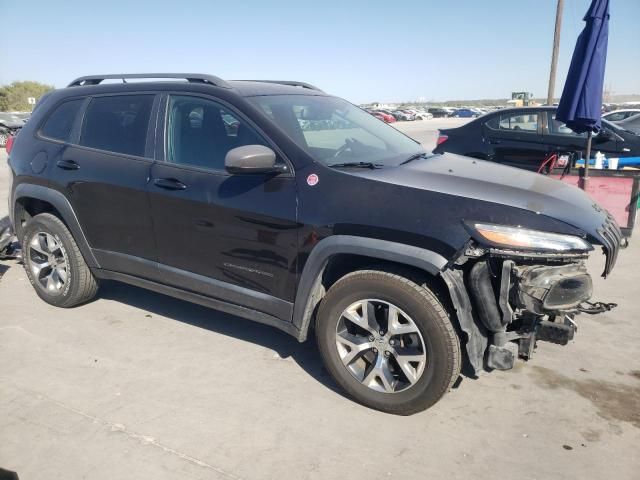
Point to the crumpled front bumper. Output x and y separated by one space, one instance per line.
506 300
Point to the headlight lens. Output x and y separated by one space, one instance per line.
517 237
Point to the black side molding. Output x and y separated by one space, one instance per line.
216 304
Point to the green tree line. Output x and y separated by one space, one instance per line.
15 97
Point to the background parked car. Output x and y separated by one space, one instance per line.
439 112
10 124
387 117
523 137
422 115
378 115
631 124
619 115
402 116
465 113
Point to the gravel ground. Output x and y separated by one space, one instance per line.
139 385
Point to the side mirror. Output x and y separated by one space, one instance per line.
252 159
604 136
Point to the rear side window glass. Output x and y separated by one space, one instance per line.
526 122
60 123
117 124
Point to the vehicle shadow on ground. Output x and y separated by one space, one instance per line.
306 354
3 269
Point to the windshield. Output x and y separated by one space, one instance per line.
335 132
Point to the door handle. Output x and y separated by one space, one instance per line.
67 165
169 183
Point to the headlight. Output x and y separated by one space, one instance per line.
517 237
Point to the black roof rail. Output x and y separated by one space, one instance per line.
190 77
291 83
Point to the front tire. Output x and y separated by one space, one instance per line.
54 264
388 342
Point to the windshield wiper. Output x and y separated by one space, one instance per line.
357 165
415 156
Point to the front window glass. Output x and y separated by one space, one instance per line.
333 131
200 132
557 127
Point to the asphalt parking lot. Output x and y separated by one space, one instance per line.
139 385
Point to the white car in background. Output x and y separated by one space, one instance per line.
619 115
420 114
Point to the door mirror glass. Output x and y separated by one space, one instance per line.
252 159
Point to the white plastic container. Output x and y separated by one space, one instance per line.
599 160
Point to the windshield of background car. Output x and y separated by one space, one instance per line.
333 131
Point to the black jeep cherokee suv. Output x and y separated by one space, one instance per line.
279 203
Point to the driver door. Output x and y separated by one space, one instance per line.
232 237
558 136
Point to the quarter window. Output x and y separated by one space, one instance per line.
60 123
200 132
520 122
117 123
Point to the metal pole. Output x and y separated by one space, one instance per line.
554 55
585 178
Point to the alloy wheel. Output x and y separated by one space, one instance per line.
48 262
380 346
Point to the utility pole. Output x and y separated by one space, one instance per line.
554 56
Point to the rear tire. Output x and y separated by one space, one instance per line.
54 264
420 312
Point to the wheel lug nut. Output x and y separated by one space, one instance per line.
371 339
375 350
387 353
381 332
392 342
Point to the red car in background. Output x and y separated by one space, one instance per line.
385 117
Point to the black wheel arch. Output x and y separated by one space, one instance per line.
361 251
28 196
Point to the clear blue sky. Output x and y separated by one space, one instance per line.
388 50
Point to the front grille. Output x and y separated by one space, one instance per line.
611 239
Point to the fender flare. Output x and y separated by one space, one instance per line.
62 205
310 290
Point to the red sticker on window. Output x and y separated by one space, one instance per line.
312 180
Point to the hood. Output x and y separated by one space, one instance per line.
490 182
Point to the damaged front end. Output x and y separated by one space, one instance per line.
512 287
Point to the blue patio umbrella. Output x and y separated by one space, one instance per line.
580 105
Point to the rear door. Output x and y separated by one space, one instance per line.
104 173
232 237
515 139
